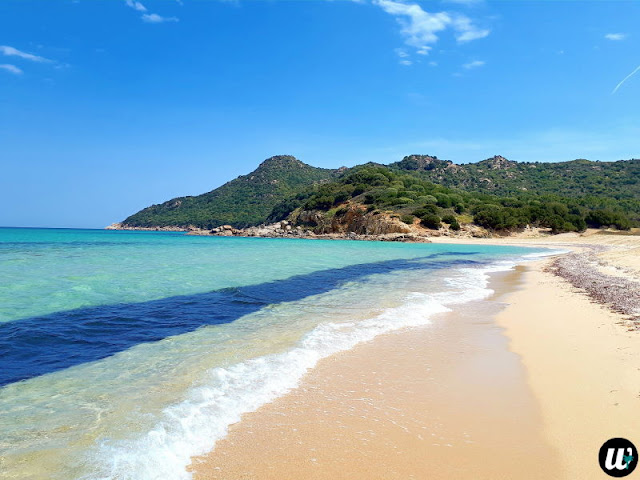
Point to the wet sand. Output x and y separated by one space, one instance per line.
448 401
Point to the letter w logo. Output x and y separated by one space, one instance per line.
620 464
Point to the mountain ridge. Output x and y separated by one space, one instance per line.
507 190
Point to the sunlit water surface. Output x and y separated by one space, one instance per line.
123 354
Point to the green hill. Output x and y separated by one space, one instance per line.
245 201
501 176
600 184
496 193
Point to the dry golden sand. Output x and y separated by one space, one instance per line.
623 249
583 367
462 398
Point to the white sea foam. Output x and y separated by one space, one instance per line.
192 426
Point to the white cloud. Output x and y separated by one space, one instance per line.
420 28
14 52
466 31
11 68
401 52
417 26
136 5
473 64
615 36
433 64
406 63
149 17
155 18
625 79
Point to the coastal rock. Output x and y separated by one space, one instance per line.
352 219
124 226
353 223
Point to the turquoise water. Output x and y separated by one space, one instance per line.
125 353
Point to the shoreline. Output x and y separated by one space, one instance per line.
392 229
528 237
579 372
354 416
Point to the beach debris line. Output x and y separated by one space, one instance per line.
619 293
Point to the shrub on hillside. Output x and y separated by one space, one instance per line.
431 221
427 209
607 218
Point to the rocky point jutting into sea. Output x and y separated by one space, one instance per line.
355 223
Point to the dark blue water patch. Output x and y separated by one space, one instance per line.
38 345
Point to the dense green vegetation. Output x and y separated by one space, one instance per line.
613 186
408 193
245 201
497 194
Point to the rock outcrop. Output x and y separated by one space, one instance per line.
422 163
124 226
498 162
352 219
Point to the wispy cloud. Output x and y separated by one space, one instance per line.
136 5
155 18
14 52
466 30
464 2
149 17
615 36
625 79
473 64
420 28
403 56
11 68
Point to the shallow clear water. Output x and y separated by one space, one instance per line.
122 354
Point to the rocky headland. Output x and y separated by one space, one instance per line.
350 223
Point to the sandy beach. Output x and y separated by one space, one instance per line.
526 384
582 365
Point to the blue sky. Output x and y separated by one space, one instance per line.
109 106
